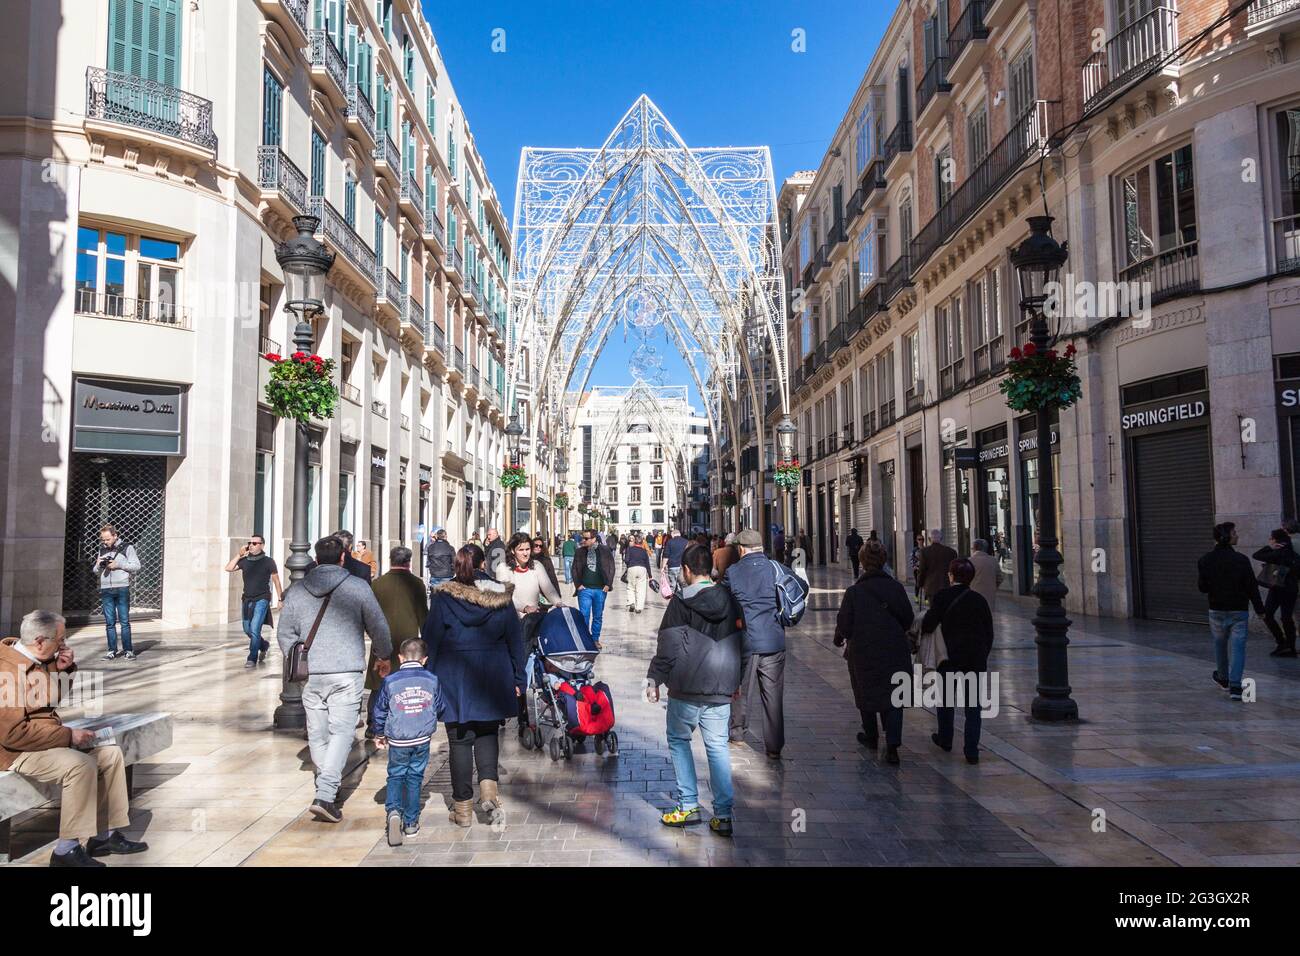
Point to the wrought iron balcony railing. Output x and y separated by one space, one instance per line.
359 108
1027 136
1261 11
933 82
112 306
459 359
1131 52
433 226
266 344
426 433
808 271
457 260
899 141
969 26
415 315
326 56
276 171
854 208
151 106
873 178
298 10
388 286
342 237
379 408
1167 274
898 277
439 338
351 393
406 423
386 152
1286 242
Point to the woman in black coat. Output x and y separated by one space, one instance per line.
873 620
1280 573
968 633
474 647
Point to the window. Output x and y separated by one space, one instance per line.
1286 227
864 148
1020 83
984 303
431 107
634 495
866 271
408 62
379 242
943 177
127 275
977 136
317 163
612 494
948 322
805 242
350 200
657 495
1158 215
885 385
272 95
912 369
144 39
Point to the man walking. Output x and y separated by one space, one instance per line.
260 572
569 549
699 658
853 545
988 573
593 578
115 563
1226 578
932 565
752 581
441 556
332 608
34 743
405 605
672 560
494 551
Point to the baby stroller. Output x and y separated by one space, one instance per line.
565 703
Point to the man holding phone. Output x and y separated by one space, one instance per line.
114 564
260 572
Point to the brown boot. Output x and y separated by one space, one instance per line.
488 798
462 813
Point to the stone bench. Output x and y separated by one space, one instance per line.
139 735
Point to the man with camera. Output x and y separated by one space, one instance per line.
115 563
260 572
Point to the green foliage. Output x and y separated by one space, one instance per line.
301 387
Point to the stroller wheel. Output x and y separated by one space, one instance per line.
600 744
566 747
555 749
537 739
525 737
611 743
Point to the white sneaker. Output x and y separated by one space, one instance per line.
394 828
110 656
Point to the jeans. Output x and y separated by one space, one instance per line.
971 741
473 745
675 577
1283 600
117 610
254 617
434 582
406 766
1228 626
712 719
568 569
591 605
332 702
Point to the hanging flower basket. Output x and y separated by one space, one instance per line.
562 501
513 476
788 474
728 499
301 387
1038 380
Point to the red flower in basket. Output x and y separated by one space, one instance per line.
299 356
1030 349
1070 349
271 357
1051 353
1015 353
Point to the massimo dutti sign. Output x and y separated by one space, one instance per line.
120 417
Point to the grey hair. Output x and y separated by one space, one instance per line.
936 535
730 538
400 557
981 545
39 624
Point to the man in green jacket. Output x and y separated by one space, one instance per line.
569 549
404 601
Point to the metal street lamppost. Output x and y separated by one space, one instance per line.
786 432
729 488
514 432
562 469
1038 262
305 262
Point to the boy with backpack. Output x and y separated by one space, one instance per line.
771 598
406 715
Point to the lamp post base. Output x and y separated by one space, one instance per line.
290 716
1054 709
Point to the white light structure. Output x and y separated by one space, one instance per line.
647 232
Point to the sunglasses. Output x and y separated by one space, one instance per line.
252 543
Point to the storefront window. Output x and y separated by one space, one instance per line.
347 490
262 484
1032 516
997 519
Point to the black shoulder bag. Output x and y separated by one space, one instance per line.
296 668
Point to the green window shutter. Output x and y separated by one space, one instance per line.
144 39
119 40
170 50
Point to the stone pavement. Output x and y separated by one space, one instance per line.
1183 775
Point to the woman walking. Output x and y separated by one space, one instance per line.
918 542
542 558
637 573
1280 574
968 633
472 634
531 584
873 621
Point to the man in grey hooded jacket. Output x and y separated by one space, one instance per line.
336 663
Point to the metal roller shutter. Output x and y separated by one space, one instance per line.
1173 499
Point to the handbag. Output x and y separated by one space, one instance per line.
932 649
1272 575
296 668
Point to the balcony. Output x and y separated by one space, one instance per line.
897 278
873 178
406 423
868 425
1167 275
387 159
854 208
328 68
433 230
436 339
458 361
887 413
1286 244
426 433
898 142
808 271
455 265
354 255
966 42
389 293
989 357
107 305
281 181
1026 138
290 14
875 300
952 378
913 400
264 344
1267 15
361 116
351 393
1132 52
823 261
413 316
411 197
379 408
837 235
998 13
154 109
933 88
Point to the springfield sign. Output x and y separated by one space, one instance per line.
1163 415
128 418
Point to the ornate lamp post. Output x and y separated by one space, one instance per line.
305 263
729 488
514 432
562 469
786 432
1038 262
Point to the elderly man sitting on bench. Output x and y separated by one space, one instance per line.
35 743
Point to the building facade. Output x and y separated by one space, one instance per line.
158 152
1152 131
644 456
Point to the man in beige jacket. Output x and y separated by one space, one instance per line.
35 743
988 573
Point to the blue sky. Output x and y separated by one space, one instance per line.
724 73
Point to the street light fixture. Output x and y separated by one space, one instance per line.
514 432
786 433
1038 261
561 469
305 262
